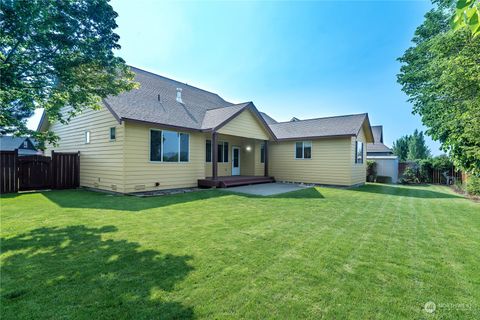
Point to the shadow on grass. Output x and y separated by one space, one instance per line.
73 272
404 191
100 200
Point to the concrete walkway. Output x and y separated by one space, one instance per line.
267 189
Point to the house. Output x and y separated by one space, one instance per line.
386 162
377 148
25 145
168 135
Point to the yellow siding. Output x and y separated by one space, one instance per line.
259 167
141 174
245 125
359 170
331 162
101 161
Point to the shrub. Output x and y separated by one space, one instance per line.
473 185
371 170
459 186
384 179
410 176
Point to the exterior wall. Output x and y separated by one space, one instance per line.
386 166
101 161
359 170
141 174
331 162
245 125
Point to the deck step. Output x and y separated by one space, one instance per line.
225 182
236 183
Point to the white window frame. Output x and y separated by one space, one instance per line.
161 138
303 150
87 137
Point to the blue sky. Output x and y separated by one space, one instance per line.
302 59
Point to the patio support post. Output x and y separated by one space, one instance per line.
214 155
265 148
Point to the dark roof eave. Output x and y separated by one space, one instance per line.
317 137
163 125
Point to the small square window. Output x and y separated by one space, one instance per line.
113 133
87 137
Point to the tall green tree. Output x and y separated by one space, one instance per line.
400 147
417 148
441 76
467 14
55 53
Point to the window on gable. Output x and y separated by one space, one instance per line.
169 146
113 133
303 150
359 152
87 137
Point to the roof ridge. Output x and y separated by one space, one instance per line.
340 116
182 83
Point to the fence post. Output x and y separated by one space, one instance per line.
77 170
54 171
16 186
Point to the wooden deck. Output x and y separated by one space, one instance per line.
233 181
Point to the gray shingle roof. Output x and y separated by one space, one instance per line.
144 104
378 146
10 143
320 127
214 117
155 101
269 120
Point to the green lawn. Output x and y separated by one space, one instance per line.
374 252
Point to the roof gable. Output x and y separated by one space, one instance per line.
247 122
10 143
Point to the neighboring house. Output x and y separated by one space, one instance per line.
25 146
168 134
387 163
377 148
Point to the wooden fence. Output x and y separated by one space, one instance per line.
434 176
35 172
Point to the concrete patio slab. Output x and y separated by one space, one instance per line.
267 189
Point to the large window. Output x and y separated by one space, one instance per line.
303 150
262 153
359 152
169 146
